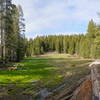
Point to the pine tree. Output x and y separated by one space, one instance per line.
91 29
20 34
95 50
12 46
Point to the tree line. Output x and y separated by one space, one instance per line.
14 46
12 28
85 45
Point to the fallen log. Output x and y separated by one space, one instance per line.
84 92
95 77
66 93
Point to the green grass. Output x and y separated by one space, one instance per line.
49 71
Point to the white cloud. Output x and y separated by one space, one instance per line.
51 14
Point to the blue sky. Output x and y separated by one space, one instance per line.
45 17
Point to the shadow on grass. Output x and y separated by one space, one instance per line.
42 67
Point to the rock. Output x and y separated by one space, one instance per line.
94 63
44 93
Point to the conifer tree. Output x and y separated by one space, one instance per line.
12 46
91 29
95 50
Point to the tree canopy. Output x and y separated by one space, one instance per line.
12 44
85 45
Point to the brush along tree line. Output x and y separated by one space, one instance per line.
12 27
85 45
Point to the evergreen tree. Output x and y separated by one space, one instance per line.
95 50
12 46
91 29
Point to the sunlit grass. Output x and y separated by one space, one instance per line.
48 71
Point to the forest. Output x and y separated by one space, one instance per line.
12 28
14 46
46 66
85 45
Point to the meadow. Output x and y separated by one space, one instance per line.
45 71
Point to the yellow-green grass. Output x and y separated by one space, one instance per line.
48 71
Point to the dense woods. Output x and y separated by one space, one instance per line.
85 45
12 27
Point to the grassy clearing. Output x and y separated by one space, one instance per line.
48 71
